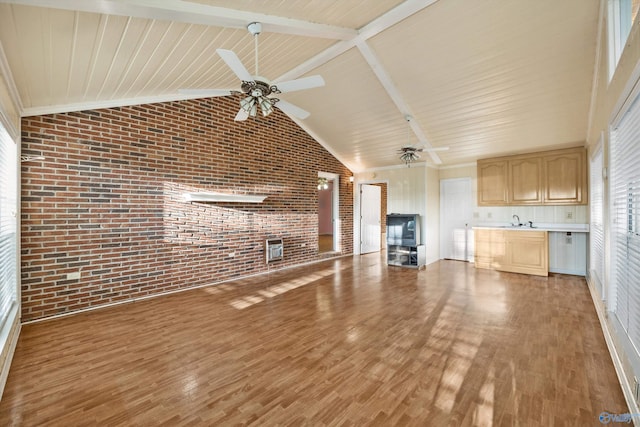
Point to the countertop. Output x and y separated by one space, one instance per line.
559 227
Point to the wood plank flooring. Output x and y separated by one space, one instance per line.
344 342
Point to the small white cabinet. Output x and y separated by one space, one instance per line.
568 253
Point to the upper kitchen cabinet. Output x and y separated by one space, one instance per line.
556 177
525 181
492 182
565 177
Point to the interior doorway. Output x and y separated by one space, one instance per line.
328 224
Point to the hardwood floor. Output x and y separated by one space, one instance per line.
343 342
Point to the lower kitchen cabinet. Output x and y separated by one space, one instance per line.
515 251
489 248
527 252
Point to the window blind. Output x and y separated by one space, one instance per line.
8 224
625 227
596 228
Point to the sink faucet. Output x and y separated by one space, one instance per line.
517 218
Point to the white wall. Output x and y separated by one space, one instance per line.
409 190
431 222
406 193
406 190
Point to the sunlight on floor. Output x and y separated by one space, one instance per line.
463 347
483 413
281 288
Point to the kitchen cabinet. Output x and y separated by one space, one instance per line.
526 252
525 181
565 178
557 177
492 182
489 248
516 251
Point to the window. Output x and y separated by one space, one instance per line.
621 16
625 230
8 225
596 227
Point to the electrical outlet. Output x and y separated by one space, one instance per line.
569 215
73 276
232 254
569 240
489 215
303 245
476 215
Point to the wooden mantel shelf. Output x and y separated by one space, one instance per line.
222 197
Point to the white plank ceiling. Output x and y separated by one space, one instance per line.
483 78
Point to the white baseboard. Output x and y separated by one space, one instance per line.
627 389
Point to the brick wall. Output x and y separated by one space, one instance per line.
108 201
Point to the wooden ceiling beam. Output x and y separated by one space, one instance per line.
195 13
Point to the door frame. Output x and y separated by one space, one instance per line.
335 207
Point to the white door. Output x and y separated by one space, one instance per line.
456 205
370 199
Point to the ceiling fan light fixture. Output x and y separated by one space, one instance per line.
255 89
409 157
323 183
265 106
247 103
254 110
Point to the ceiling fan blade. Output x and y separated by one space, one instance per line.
292 109
235 64
300 84
431 150
205 93
241 116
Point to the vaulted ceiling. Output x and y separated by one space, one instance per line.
483 78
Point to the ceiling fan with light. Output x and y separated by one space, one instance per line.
409 153
256 90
